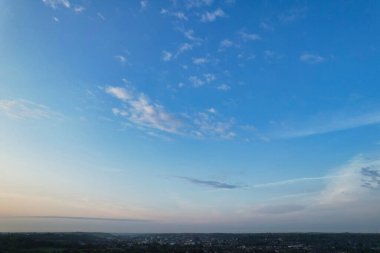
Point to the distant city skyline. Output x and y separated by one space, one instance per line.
189 116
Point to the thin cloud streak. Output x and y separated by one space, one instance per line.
25 109
222 185
291 181
311 58
209 183
80 218
337 124
122 59
370 178
250 36
57 3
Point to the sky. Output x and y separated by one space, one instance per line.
189 116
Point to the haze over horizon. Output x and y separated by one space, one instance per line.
189 116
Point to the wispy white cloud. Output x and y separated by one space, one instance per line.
210 124
57 3
126 81
143 4
196 81
177 14
180 15
100 15
79 9
25 109
56 19
250 36
292 181
140 112
349 192
266 26
323 124
200 81
183 48
246 56
226 43
212 16
164 11
272 56
230 2
200 60
211 110
359 176
293 15
159 136
311 58
209 77
355 182
223 87
198 3
138 109
349 183
166 55
189 34
121 58
120 93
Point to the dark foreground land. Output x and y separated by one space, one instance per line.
99 242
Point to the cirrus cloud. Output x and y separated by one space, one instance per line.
137 108
57 3
25 109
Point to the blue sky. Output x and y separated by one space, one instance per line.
189 116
